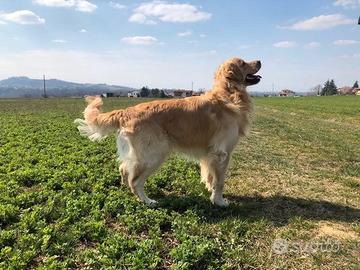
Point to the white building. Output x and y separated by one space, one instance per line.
135 94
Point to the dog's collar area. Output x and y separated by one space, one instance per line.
233 85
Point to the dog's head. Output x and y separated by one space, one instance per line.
236 70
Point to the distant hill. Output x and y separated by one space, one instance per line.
25 87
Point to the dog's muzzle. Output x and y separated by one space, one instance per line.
252 79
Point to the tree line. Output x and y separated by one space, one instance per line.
330 88
154 92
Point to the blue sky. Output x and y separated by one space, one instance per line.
169 44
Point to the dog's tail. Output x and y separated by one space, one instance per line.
96 125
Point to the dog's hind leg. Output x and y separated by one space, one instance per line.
206 176
124 174
139 171
144 154
137 182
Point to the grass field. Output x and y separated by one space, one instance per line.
293 184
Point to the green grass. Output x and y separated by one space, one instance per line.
295 177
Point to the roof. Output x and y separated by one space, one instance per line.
286 91
348 90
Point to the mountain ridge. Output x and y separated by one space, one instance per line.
22 86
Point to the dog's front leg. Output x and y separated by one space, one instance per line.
218 162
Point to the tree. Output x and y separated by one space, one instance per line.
144 92
356 85
162 94
333 88
316 90
325 88
155 92
329 88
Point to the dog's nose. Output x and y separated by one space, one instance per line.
258 64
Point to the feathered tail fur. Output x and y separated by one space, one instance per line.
96 125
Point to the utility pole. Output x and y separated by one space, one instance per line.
45 96
192 86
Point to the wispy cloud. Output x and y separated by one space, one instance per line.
285 44
116 5
168 12
62 41
79 5
312 45
22 17
141 18
322 22
351 56
347 3
83 30
140 40
244 47
345 42
185 34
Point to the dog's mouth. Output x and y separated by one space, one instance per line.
252 79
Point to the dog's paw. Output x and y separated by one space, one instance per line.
151 203
221 203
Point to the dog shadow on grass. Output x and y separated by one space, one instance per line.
277 209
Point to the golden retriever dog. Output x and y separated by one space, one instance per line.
205 127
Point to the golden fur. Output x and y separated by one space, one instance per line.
204 127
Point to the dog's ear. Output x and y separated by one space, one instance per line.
231 70
234 72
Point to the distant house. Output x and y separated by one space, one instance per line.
182 93
357 91
106 95
197 93
134 94
346 90
178 93
286 93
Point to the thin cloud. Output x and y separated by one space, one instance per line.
347 56
61 41
312 45
79 5
169 12
345 42
140 40
185 34
347 3
141 18
22 17
83 30
244 47
117 5
285 44
321 22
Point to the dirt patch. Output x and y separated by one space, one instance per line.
337 231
